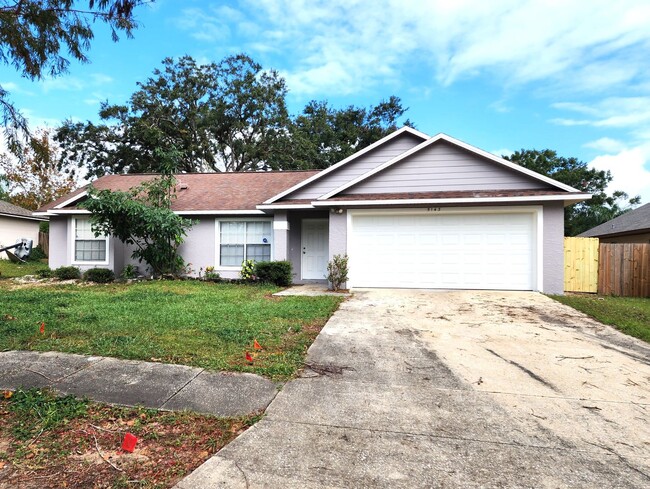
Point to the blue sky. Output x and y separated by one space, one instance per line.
502 75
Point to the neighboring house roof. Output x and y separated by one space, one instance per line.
11 210
198 192
632 222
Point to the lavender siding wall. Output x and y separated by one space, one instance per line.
199 246
443 167
357 167
553 242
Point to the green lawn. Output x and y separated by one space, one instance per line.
185 322
9 269
631 315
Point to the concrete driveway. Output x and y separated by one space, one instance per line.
452 389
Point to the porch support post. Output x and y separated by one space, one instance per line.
280 236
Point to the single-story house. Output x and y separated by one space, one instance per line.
410 211
17 223
631 227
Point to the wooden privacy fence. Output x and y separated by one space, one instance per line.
624 269
44 242
581 264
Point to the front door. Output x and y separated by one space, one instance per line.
315 238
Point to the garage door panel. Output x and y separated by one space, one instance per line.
482 251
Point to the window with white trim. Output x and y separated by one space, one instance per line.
244 240
88 247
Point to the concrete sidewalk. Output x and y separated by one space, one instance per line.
136 383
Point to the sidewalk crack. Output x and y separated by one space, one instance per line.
162 406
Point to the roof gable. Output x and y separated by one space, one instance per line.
446 164
637 220
363 160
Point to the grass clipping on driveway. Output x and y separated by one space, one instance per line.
184 322
48 441
631 315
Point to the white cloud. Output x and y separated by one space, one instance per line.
606 145
610 112
13 87
577 46
630 169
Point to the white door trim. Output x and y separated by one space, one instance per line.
302 240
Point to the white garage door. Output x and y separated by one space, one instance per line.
447 251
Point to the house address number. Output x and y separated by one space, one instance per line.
433 209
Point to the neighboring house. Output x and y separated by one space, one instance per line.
17 223
410 211
631 227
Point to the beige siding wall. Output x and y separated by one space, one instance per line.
12 229
443 167
357 167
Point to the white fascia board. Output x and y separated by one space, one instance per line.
463 200
361 152
284 206
59 212
71 200
236 212
456 142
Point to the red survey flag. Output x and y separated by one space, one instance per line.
128 445
249 358
256 345
42 328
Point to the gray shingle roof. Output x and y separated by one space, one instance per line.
14 210
634 221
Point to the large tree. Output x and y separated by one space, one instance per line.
322 135
571 171
225 116
35 178
34 34
142 217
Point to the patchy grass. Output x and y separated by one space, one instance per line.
184 322
8 269
631 315
52 442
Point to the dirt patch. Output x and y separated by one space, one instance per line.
86 452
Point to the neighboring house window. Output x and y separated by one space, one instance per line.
87 247
244 240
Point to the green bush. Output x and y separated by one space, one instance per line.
45 273
37 254
247 272
274 272
129 271
337 271
44 227
99 275
67 273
